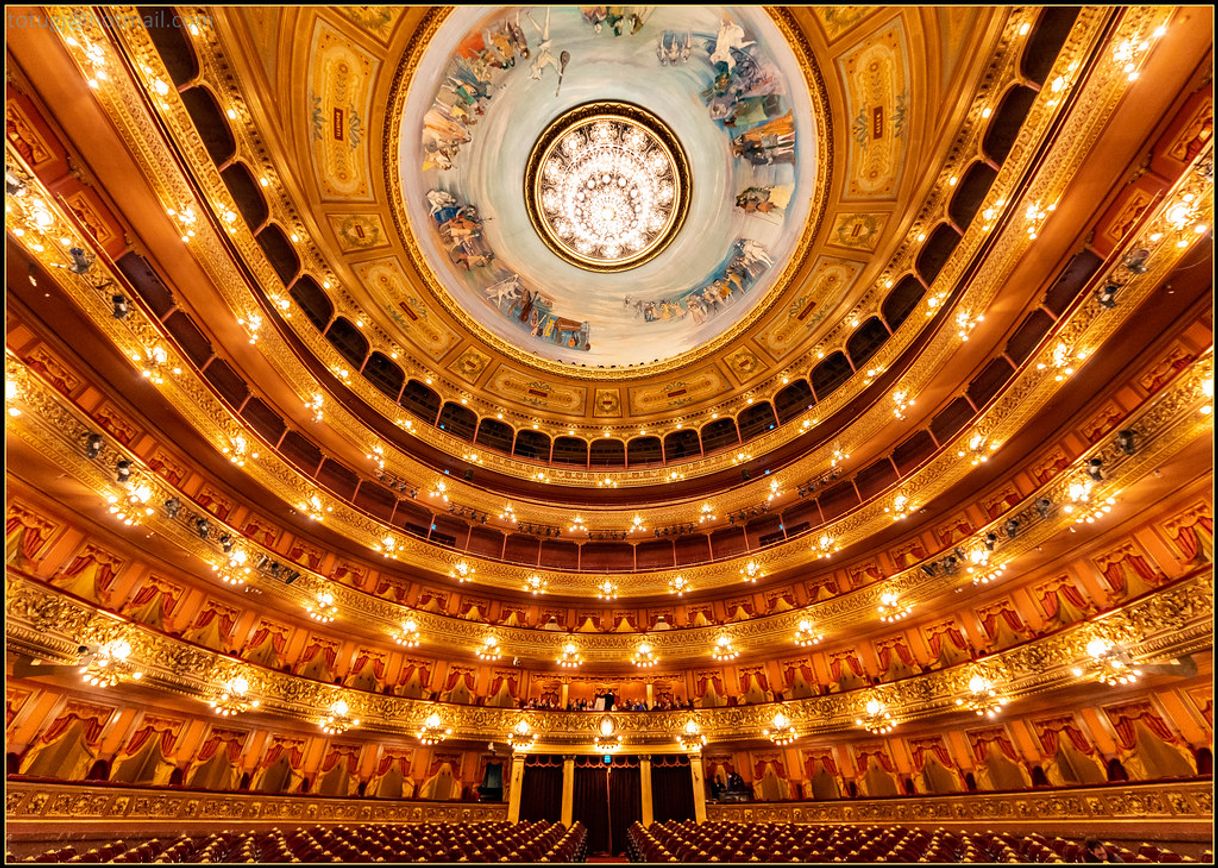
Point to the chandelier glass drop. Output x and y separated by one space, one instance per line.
232 697
607 186
433 731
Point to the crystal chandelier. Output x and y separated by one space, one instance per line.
462 572
691 738
131 507
679 585
338 720
232 697
806 634
569 657
433 731
606 590
535 585
608 740
724 650
783 732
644 656
489 649
236 570
322 609
751 572
878 720
606 186
637 524
890 607
408 635
982 697
521 736
110 665
1110 664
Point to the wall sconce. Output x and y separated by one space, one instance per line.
724 650
876 719
807 635
433 731
783 732
407 635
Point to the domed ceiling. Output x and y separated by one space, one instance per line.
608 189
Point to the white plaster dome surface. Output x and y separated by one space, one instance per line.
721 78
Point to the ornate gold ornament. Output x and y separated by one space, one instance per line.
607 186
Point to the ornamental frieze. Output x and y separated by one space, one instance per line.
1170 623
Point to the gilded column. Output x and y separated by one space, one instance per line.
515 787
568 789
651 694
564 695
699 782
645 778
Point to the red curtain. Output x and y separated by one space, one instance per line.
757 675
1073 595
278 748
759 768
228 618
347 753
94 720
920 750
167 730
279 639
1050 732
412 666
835 664
804 668
31 538
1188 537
456 675
1114 571
512 682
825 760
378 663
990 620
384 583
330 652
221 738
105 568
712 678
387 761
1123 718
935 640
865 756
983 739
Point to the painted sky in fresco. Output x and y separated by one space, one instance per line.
477 105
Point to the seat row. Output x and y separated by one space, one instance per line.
539 841
785 842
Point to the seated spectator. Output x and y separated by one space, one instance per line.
1095 851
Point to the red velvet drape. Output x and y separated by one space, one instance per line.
378 663
31 539
1050 731
920 750
94 721
167 732
390 757
866 755
221 738
825 760
982 740
456 675
1123 718
346 753
294 751
1188 537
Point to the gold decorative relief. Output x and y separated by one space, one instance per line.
831 279
387 279
877 93
340 96
470 364
532 391
358 231
858 231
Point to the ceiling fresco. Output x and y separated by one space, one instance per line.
720 81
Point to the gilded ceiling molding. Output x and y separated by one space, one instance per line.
54 802
864 429
1087 327
1166 424
148 58
1176 802
1171 623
